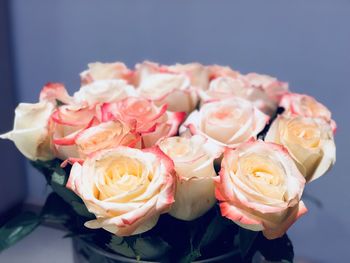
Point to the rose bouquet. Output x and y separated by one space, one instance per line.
173 163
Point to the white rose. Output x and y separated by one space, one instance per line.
31 130
105 71
159 84
194 165
274 88
104 91
228 87
309 141
227 122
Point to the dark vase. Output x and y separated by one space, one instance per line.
85 252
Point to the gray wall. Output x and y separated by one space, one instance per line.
13 191
304 42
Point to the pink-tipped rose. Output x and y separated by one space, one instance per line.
307 106
260 188
147 119
226 122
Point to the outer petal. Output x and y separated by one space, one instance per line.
30 132
55 91
194 197
279 230
105 71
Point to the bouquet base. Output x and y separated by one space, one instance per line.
90 253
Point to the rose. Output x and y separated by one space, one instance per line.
228 87
127 189
165 87
227 122
274 88
194 165
150 121
54 92
102 91
260 187
216 71
104 136
304 105
67 122
105 71
309 141
78 132
31 130
198 74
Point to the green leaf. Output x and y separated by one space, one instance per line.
246 241
203 233
119 245
58 184
214 229
280 249
81 209
146 248
150 248
55 210
46 168
17 228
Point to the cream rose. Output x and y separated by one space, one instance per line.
307 106
127 189
274 88
309 141
260 188
105 71
104 91
31 130
198 74
194 165
147 119
228 87
227 122
165 87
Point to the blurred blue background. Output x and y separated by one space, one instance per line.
306 43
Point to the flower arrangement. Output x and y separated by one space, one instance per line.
173 163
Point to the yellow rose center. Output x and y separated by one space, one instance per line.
263 174
120 177
225 114
175 146
304 132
